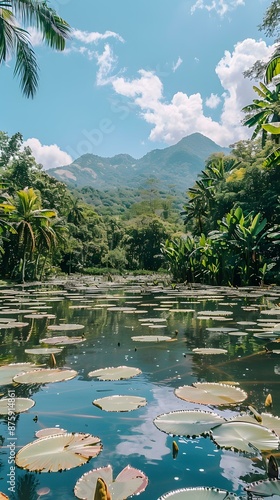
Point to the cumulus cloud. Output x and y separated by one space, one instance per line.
184 114
221 7
35 36
177 64
94 36
105 62
49 156
213 101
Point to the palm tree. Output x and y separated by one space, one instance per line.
15 40
264 112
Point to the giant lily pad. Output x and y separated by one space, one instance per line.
58 452
15 405
187 422
129 482
43 351
211 394
266 488
65 327
267 420
200 493
244 436
44 376
151 338
62 340
115 373
8 372
49 431
209 350
120 403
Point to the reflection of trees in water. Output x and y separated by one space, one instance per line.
26 487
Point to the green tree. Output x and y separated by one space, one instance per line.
15 41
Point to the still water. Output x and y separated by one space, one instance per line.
112 313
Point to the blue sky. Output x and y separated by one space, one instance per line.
138 75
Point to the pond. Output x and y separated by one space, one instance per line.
110 317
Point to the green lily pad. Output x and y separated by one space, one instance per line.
200 493
115 373
49 431
187 422
15 405
151 338
129 482
62 340
65 327
211 394
58 452
43 350
8 372
120 403
45 376
244 436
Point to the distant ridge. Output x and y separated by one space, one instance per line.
177 166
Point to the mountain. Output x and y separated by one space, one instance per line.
176 166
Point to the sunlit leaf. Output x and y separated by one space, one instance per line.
8 372
115 373
266 488
129 482
209 350
58 452
65 327
62 340
49 431
200 493
120 403
43 350
211 394
187 422
15 405
244 436
44 376
151 338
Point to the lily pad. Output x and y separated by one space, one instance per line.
120 403
187 422
62 340
8 372
129 482
43 350
45 376
211 394
151 338
244 436
266 488
209 350
49 431
58 452
115 373
200 493
65 327
15 405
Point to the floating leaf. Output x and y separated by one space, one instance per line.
44 376
62 340
58 452
200 493
151 338
15 405
43 350
211 393
65 327
268 420
209 350
244 436
129 482
187 422
49 431
8 372
266 488
115 373
120 403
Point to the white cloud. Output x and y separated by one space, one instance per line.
221 7
184 114
177 64
105 62
49 156
213 101
94 36
35 36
